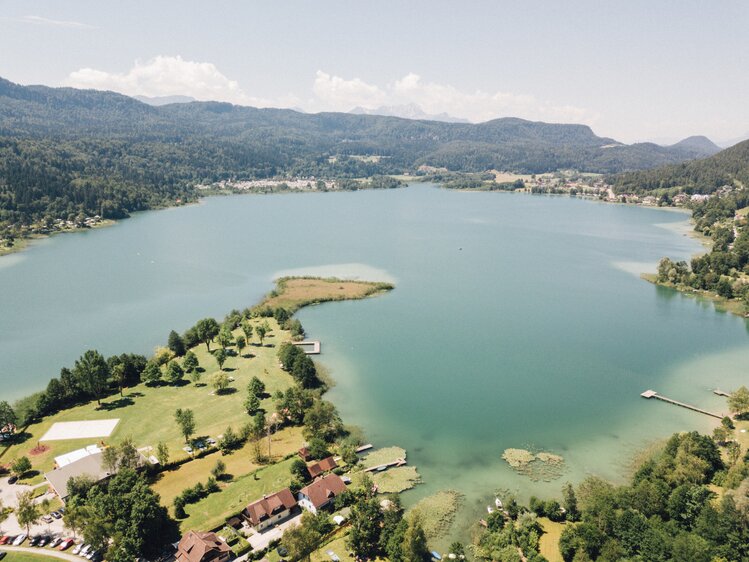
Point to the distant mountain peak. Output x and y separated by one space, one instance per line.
699 144
407 111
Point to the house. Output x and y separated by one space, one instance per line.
88 465
304 454
321 467
270 509
321 493
202 547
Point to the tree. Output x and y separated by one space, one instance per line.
569 502
151 375
246 330
186 421
162 453
241 343
364 536
118 374
322 421
207 329
220 355
721 434
109 459
190 362
262 331
252 404
219 469
20 466
225 337
299 470
303 540
92 372
220 381
256 387
738 402
176 344
318 449
27 512
7 417
174 373
304 371
415 540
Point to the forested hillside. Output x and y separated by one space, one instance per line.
67 153
729 167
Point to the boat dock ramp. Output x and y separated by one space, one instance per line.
653 394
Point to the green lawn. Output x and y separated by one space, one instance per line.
549 544
212 512
146 413
25 557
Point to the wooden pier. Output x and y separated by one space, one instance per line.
380 467
310 347
653 394
720 392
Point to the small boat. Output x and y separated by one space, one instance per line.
489 509
436 555
498 503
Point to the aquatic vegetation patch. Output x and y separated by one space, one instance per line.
396 480
438 512
383 456
538 466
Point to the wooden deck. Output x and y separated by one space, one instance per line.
653 394
310 347
396 462
720 392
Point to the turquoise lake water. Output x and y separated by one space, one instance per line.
517 320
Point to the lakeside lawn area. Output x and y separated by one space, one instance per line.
146 413
549 543
170 483
214 510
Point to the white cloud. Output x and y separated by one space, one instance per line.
168 76
39 20
338 94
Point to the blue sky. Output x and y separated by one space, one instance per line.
633 70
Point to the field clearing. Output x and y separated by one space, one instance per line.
170 483
549 544
213 511
137 409
294 293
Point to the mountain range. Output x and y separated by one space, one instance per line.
66 151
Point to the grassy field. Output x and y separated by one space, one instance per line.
549 546
25 557
146 413
170 483
295 292
213 511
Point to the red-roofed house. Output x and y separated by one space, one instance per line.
321 492
270 509
321 467
202 547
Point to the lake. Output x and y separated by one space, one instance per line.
517 320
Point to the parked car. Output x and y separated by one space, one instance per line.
56 514
43 541
2 554
84 550
91 554
6 538
33 541
47 519
78 548
65 544
13 479
18 541
54 543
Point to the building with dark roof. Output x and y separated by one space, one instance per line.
269 510
202 547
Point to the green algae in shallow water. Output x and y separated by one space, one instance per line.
541 466
438 512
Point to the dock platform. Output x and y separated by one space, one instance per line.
720 392
310 347
653 394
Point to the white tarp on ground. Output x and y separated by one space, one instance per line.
80 430
78 454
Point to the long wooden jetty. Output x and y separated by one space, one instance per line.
653 394
379 467
720 392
